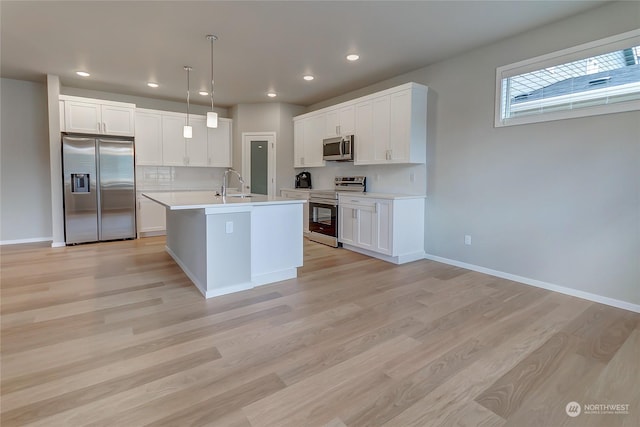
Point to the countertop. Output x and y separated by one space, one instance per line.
180 200
389 196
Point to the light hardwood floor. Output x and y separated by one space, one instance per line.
114 334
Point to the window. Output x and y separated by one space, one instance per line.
596 78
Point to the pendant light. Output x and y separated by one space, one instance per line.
187 131
212 116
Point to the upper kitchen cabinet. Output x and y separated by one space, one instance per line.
391 126
93 116
196 147
160 141
148 137
219 144
173 149
340 121
308 134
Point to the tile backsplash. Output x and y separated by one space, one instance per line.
172 178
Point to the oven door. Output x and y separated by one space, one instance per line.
323 221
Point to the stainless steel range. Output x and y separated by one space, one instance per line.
323 209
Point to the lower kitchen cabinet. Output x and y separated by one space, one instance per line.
388 227
151 218
298 194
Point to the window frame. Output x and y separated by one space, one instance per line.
597 47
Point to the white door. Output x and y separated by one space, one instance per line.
259 162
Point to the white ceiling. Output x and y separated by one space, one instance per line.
262 46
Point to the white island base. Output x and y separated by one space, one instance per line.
230 245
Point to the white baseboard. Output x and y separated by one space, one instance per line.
20 241
540 284
58 244
399 259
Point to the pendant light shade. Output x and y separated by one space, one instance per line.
212 116
187 131
212 119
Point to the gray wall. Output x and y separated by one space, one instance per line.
557 202
25 202
267 117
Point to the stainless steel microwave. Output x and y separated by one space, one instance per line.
339 148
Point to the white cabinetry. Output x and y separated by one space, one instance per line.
364 222
151 218
391 127
308 134
298 194
84 115
173 153
340 121
160 141
148 138
219 144
196 147
386 227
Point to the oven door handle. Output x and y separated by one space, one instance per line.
342 144
333 203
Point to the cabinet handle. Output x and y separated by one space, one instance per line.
104 127
302 160
354 213
375 208
337 130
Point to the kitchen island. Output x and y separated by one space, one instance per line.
228 244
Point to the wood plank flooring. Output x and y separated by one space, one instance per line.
114 334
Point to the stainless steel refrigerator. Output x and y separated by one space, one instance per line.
99 188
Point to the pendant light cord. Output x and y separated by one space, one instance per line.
188 92
212 39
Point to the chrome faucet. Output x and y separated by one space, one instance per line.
225 178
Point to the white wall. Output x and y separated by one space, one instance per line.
556 202
25 195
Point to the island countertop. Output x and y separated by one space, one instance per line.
180 200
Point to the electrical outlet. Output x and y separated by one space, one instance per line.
467 239
229 227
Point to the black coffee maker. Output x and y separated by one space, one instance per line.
303 180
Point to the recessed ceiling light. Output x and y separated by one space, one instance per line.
203 93
308 77
151 84
83 73
272 94
353 57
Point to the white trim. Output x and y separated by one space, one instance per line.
30 240
58 244
271 159
395 259
540 284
